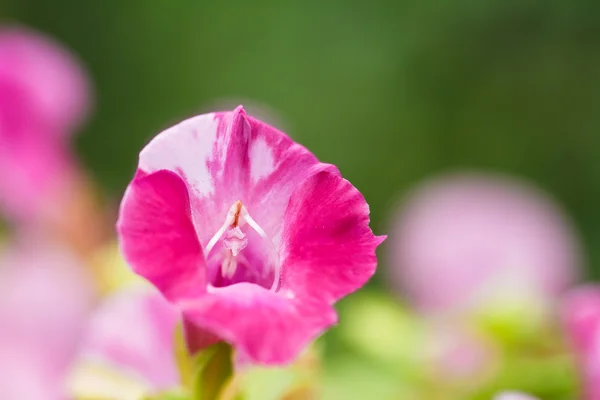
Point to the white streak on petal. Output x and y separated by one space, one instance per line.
262 160
185 148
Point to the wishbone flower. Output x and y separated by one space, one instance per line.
246 232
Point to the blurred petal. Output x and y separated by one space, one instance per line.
56 84
513 396
581 319
43 97
460 356
465 240
132 334
45 296
581 316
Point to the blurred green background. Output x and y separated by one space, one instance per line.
390 91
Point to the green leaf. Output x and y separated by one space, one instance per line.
206 373
299 380
185 364
213 369
170 395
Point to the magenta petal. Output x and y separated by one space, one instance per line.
157 235
328 248
197 338
209 153
278 166
229 156
264 326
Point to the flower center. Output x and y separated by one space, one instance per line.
241 251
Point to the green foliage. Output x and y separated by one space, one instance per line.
183 359
212 371
171 395
390 91
205 374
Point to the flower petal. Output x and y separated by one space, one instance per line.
33 173
146 350
264 326
35 163
209 153
328 248
225 157
45 297
56 85
510 395
278 166
197 338
581 320
495 238
581 316
157 236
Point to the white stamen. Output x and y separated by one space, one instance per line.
244 214
276 278
231 214
235 241
215 238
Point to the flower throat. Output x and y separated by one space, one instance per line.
259 262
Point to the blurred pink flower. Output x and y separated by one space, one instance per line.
459 356
466 240
45 296
131 334
581 318
246 232
513 396
44 95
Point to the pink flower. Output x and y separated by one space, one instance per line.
471 239
581 318
131 337
246 232
44 300
513 396
460 356
43 98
